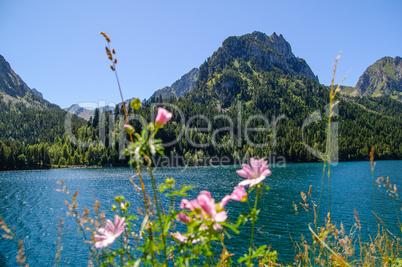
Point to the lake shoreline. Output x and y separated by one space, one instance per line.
272 165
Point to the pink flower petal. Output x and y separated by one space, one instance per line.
179 237
255 174
181 217
217 226
207 204
110 232
224 201
266 172
239 193
185 204
245 182
163 116
206 193
102 231
109 226
221 216
255 165
246 172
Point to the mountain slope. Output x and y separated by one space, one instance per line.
383 78
259 76
25 116
222 128
180 87
14 89
235 68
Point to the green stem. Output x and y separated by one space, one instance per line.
329 188
397 215
322 187
373 185
122 247
253 225
159 213
146 209
329 154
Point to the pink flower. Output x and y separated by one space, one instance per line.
239 194
183 238
209 211
110 232
255 174
189 205
206 202
224 201
181 217
163 116
205 207
219 217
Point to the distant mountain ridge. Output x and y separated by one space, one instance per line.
81 112
14 89
383 78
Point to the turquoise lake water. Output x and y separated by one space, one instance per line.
30 204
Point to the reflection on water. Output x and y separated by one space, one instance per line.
30 204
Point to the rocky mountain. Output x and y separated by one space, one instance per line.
383 78
80 111
256 74
257 52
36 92
253 52
25 116
237 67
180 87
15 90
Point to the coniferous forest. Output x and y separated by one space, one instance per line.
36 138
252 97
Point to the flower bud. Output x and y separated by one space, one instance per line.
127 204
129 129
169 181
135 104
151 126
114 207
162 117
119 199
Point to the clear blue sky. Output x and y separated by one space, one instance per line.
56 48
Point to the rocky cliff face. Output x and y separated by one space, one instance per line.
180 87
254 52
383 78
14 89
261 52
36 92
10 82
